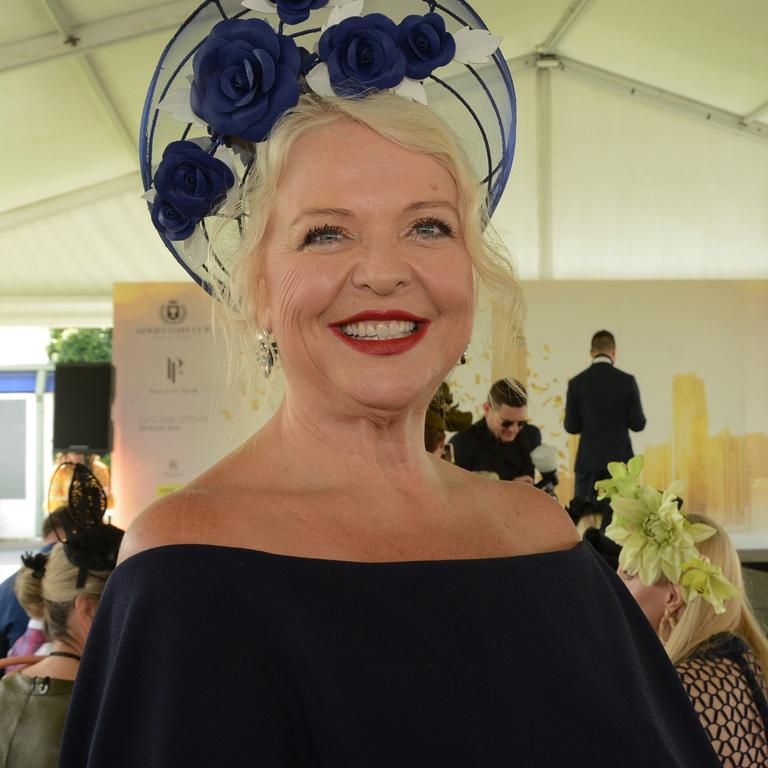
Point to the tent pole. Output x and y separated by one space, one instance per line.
544 172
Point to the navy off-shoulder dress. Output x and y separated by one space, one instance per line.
537 660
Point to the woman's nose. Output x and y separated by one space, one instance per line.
381 267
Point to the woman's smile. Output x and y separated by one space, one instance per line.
382 332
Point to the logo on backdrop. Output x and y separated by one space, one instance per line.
173 368
173 312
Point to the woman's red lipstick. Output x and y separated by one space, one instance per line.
383 346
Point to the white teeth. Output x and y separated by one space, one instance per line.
392 330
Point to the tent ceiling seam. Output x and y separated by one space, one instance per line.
659 97
572 13
83 37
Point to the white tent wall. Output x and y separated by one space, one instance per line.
642 192
637 191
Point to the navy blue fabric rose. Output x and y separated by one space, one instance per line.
362 55
245 77
190 179
296 11
189 183
170 222
425 43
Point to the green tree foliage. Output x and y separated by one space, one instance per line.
80 345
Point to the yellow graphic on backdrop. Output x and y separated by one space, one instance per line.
727 474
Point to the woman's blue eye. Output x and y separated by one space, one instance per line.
432 229
322 235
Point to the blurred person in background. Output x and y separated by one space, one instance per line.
67 583
685 574
58 488
443 415
13 618
30 597
502 440
602 404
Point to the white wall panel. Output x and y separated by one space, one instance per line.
640 192
515 217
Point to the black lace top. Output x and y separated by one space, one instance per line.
205 656
727 688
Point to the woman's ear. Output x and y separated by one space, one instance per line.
85 609
673 600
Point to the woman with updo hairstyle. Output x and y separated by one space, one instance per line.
721 657
28 590
399 611
34 700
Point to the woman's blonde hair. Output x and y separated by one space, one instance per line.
28 587
56 591
411 126
698 621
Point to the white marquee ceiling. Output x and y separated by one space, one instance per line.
71 222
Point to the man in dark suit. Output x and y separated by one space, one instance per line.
502 441
602 405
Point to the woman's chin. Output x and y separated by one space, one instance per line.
382 383
389 392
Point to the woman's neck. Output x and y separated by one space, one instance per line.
337 446
57 667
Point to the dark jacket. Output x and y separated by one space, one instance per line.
479 450
602 405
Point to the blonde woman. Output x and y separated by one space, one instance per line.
34 700
721 657
399 611
30 597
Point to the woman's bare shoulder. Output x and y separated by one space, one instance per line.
205 511
184 517
543 524
537 522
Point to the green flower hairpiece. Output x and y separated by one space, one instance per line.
624 479
656 537
700 578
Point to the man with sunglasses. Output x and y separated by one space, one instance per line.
501 442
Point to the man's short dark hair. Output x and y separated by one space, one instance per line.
603 341
508 392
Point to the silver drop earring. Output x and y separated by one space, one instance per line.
267 351
464 356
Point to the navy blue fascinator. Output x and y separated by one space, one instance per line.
233 69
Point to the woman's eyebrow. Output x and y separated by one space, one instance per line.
337 212
419 205
422 205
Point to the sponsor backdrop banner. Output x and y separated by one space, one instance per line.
175 413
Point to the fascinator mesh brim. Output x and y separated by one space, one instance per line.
476 100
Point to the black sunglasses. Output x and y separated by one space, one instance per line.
506 424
